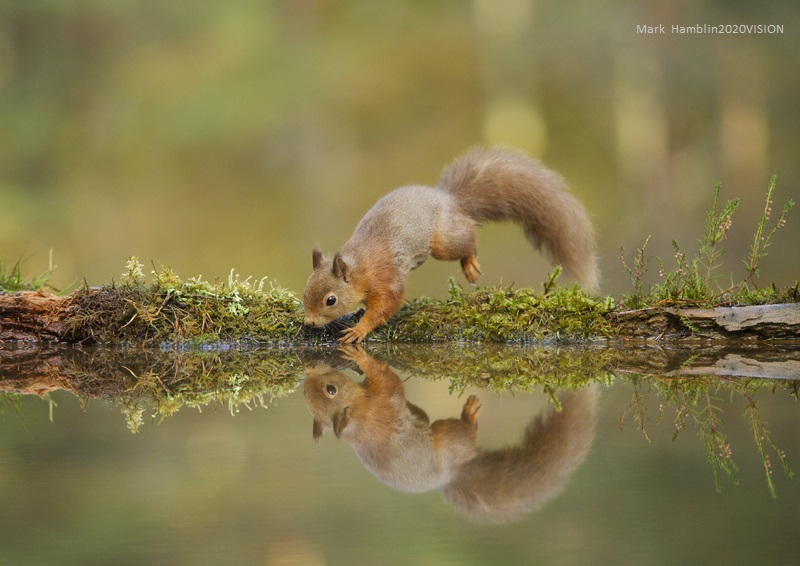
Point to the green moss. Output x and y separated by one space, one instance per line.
497 314
169 309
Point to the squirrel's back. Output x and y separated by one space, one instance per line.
404 221
502 185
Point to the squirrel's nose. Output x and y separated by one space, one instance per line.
309 322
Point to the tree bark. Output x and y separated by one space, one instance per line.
34 316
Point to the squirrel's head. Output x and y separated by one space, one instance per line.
330 396
329 292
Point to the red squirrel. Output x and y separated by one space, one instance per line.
411 223
398 444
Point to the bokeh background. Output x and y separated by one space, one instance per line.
207 136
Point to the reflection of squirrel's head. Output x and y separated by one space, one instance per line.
330 396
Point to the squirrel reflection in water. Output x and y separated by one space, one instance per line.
396 441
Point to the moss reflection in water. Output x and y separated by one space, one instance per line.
156 383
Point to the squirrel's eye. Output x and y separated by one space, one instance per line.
331 389
331 300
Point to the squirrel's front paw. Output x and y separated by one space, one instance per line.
354 334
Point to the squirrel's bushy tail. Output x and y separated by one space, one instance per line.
504 485
503 185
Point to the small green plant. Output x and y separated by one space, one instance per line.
636 300
695 280
762 238
550 285
12 280
715 231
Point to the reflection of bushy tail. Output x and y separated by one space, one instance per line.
503 485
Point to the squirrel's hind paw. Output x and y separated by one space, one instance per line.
471 268
471 409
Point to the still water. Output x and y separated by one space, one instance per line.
209 457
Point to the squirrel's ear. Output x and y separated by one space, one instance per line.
317 430
339 267
316 257
340 421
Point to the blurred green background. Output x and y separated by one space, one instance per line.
215 135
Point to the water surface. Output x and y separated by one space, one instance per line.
223 468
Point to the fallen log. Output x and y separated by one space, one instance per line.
155 315
780 321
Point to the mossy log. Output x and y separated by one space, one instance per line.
156 315
781 321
